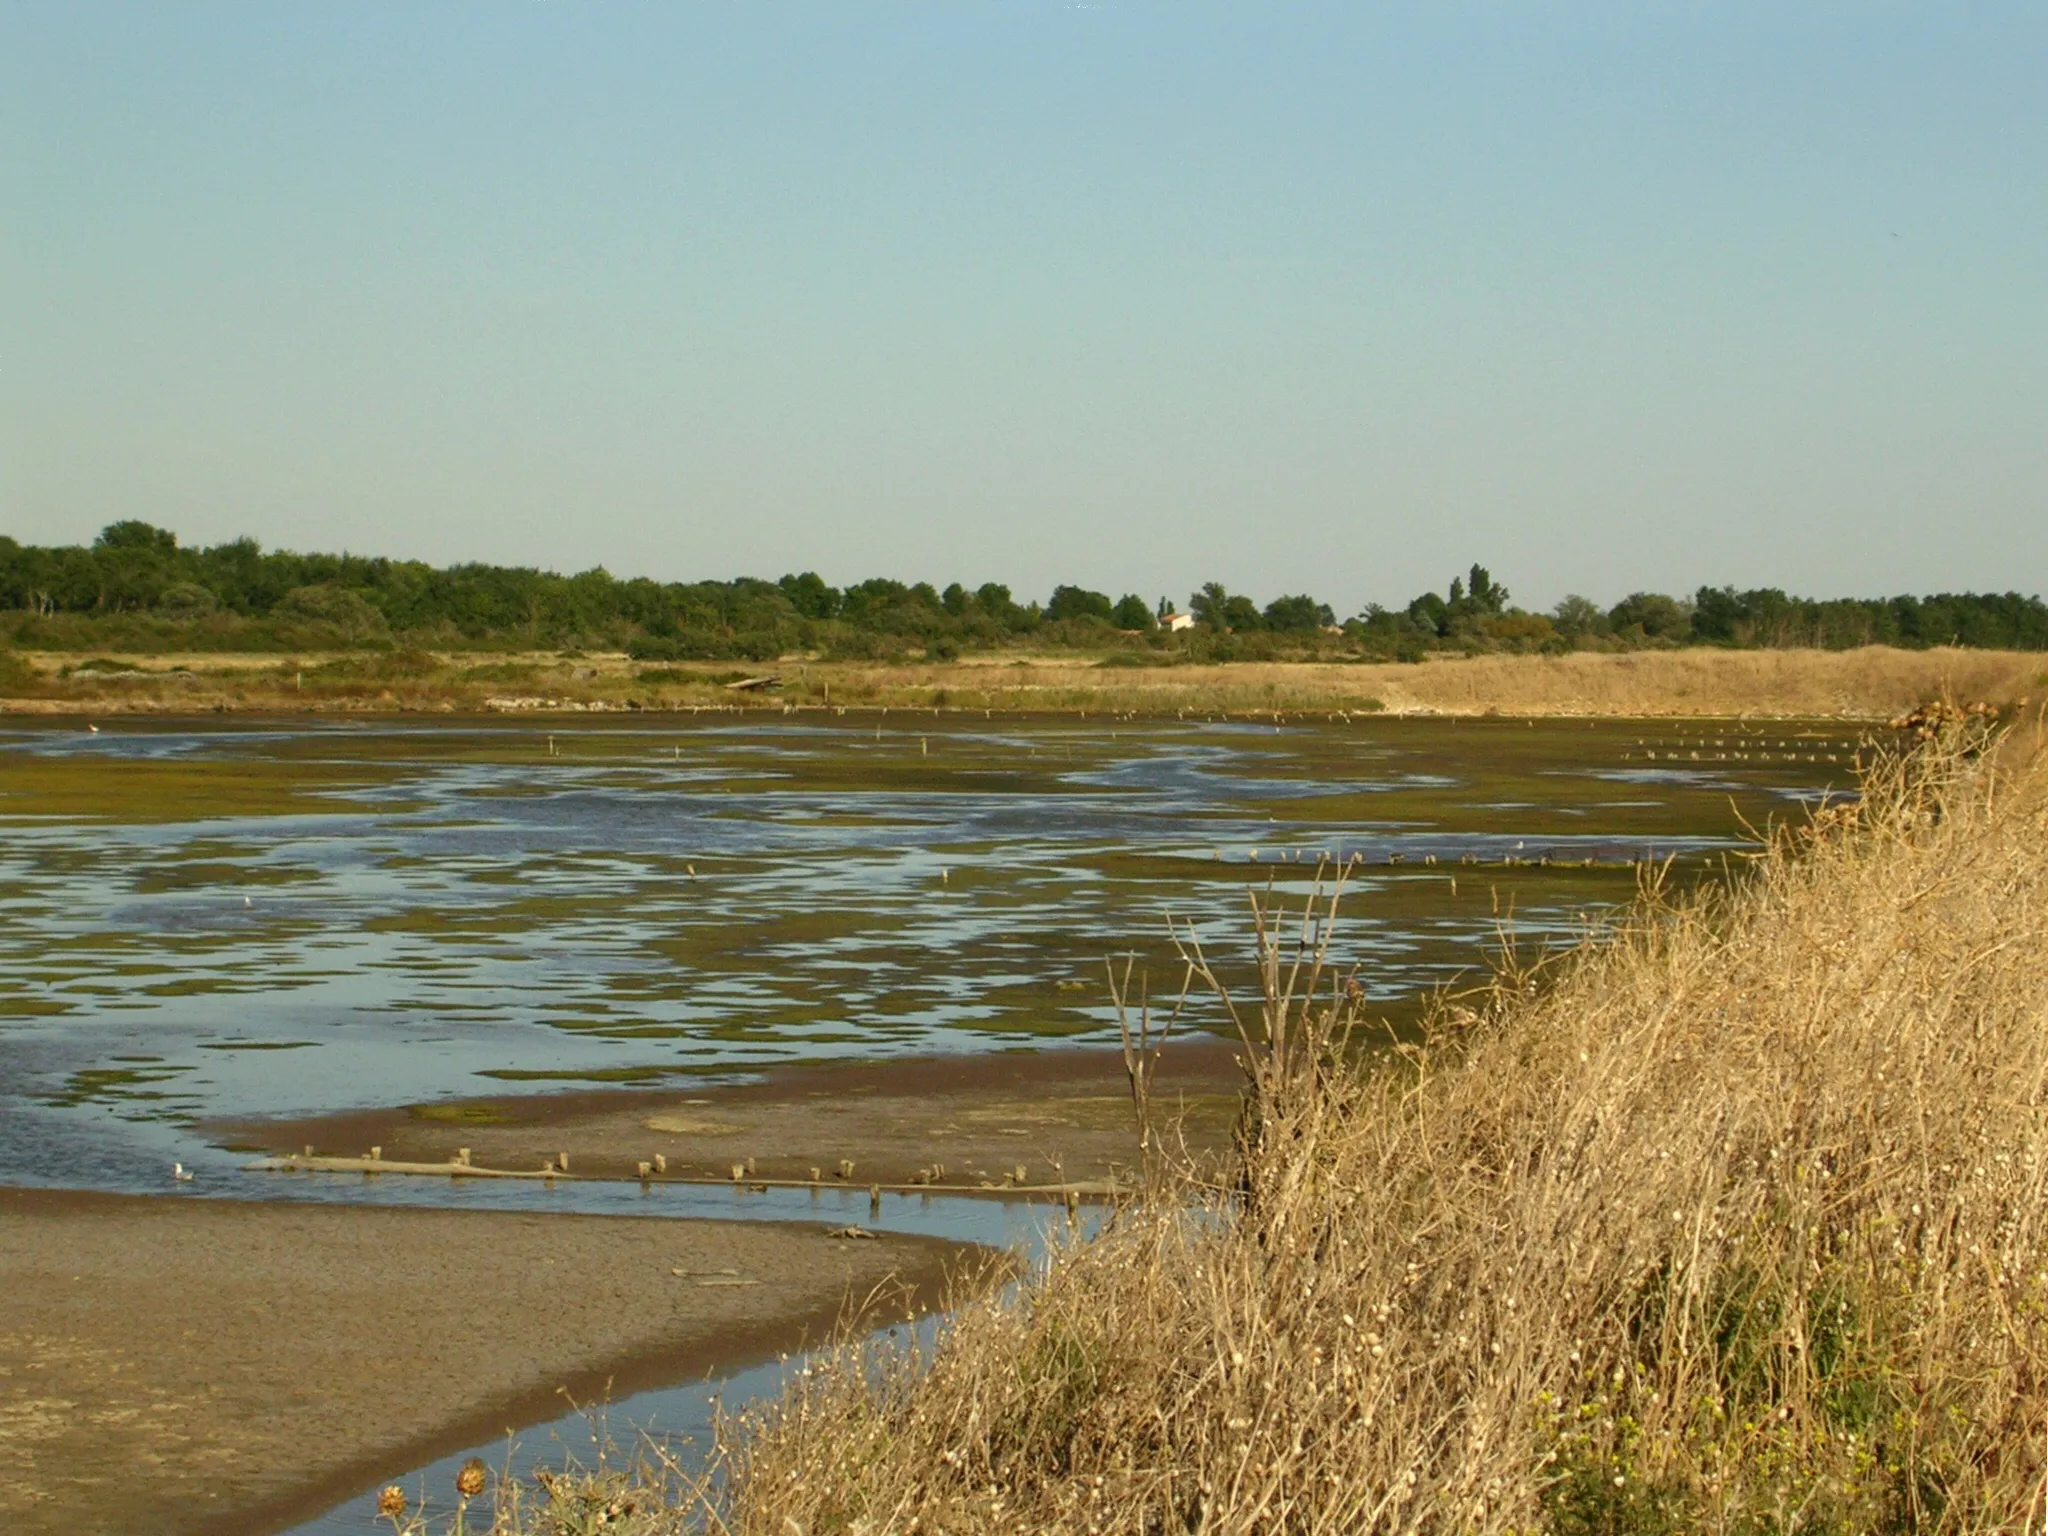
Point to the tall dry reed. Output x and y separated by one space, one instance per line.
1734 1224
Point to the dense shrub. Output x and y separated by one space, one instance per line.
137 588
16 675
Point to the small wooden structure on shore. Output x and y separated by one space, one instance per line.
463 1169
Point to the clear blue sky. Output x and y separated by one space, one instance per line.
1330 298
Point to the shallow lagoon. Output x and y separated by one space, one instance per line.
225 919
219 918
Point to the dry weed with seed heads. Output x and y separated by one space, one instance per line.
1737 1222
646 1493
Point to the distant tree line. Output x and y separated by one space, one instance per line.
135 586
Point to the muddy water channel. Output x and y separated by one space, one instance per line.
207 919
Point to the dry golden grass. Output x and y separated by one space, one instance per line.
1736 1225
1868 683
1873 683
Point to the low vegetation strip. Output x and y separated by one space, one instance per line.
1874 683
1736 1224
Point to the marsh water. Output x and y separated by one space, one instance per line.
226 918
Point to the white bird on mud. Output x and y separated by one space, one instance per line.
181 1173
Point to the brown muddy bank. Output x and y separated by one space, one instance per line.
192 1365
966 1123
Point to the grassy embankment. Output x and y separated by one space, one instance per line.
1873 683
1736 1223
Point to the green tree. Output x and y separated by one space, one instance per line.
866 603
995 602
1131 613
1575 616
1240 613
136 562
810 596
131 536
341 609
1208 604
186 600
1077 603
1431 614
1378 621
1484 593
1298 614
1718 613
1650 615
17 573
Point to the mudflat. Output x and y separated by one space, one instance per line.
967 1123
176 1365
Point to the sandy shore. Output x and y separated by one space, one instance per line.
967 1122
177 1365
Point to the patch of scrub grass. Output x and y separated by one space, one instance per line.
465 1113
259 1045
33 1007
106 1085
588 1075
1132 659
434 922
205 986
17 676
376 666
500 672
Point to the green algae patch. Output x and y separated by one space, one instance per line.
148 790
259 1045
129 1089
589 1075
205 875
464 1113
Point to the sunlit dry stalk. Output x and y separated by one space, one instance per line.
1143 1042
